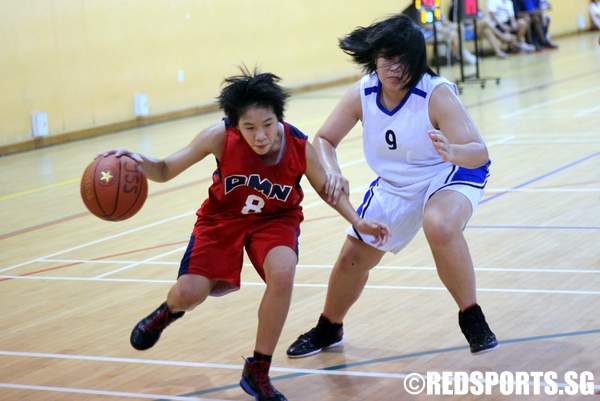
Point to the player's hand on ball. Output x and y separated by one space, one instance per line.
380 231
337 185
118 152
441 145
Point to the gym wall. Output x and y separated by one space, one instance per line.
82 61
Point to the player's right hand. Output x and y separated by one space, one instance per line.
118 152
380 231
336 186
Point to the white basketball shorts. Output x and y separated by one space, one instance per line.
401 208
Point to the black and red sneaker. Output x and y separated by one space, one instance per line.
147 332
255 381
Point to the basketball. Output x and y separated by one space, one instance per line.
112 188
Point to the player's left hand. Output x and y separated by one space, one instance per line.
441 145
380 231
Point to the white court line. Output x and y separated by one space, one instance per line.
325 266
100 240
549 102
586 112
141 262
164 362
309 285
562 135
133 230
554 141
126 394
105 262
541 190
501 141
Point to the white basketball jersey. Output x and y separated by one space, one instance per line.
396 144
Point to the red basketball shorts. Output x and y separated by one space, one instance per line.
216 247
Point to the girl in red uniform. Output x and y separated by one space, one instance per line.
254 203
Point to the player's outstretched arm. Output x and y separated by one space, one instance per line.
341 120
208 141
457 139
318 180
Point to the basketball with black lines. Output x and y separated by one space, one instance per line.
113 188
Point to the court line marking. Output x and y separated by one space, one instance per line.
310 205
534 88
100 240
310 285
39 189
126 394
542 227
166 362
410 356
343 165
539 178
541 190
549 102
585 112
485 200
554 142
141 262
326 266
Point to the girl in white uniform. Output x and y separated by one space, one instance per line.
432 167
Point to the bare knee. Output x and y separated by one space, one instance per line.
356 258
281 279
439 229
185 296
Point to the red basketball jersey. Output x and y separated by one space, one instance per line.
244 185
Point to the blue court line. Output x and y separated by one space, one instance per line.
510 227
397 358
541 177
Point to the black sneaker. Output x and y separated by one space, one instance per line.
147 332
255 381
476 330
325 335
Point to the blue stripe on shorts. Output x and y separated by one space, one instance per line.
185 261
474 177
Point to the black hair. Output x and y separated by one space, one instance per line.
396 36
251 89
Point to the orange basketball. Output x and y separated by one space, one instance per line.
112 188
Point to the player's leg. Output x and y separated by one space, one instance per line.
272 249
446 213
189 291
279 267
356 259
346 282
348 277
199 276
444 218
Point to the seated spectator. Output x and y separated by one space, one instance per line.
487 30
502 14
531 10
446 32
595 13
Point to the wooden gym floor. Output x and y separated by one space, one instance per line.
72 286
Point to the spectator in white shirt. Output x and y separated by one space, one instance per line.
502 14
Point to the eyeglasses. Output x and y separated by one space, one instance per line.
391 66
